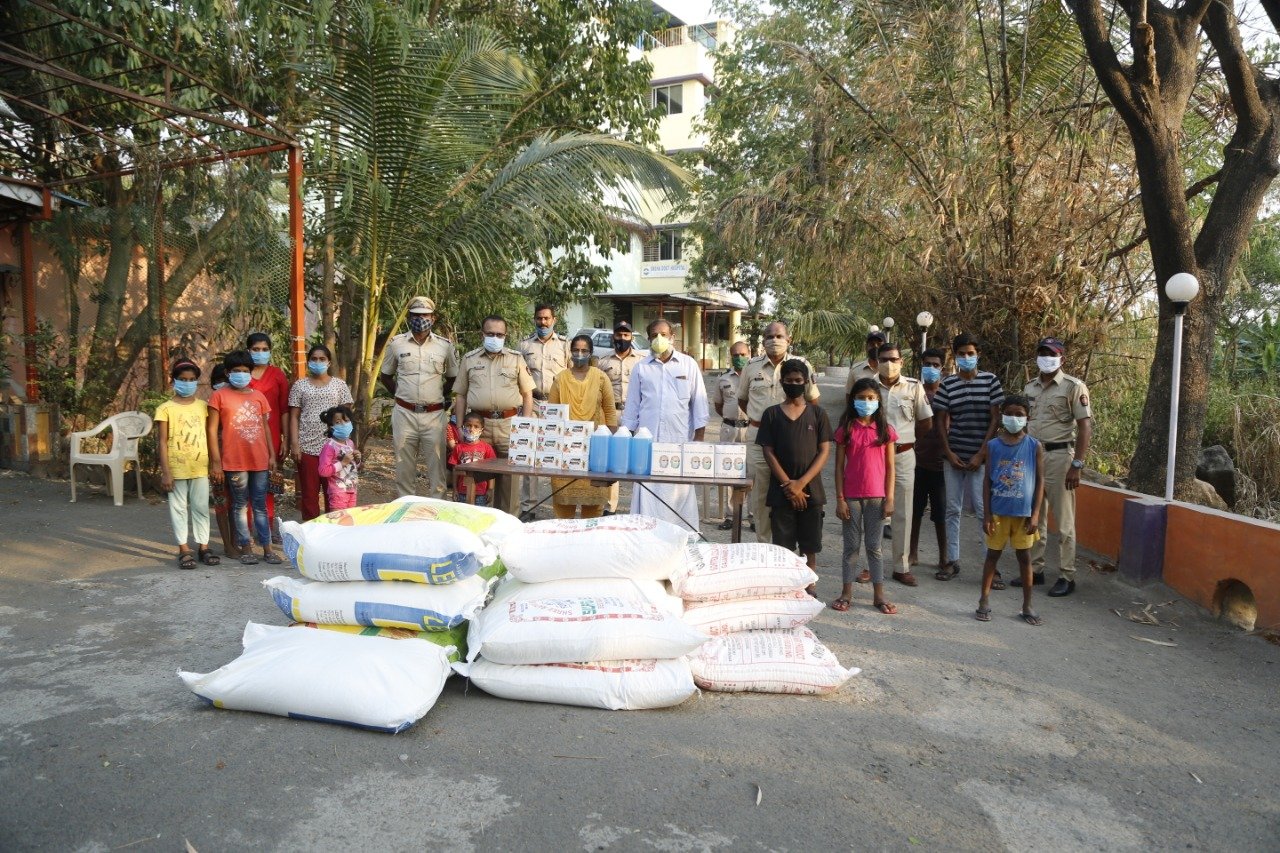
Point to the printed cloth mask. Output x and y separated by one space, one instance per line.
660 344
239 378
930 374
866 408
342 431
621 346
1049 363
775 346
544 331
580 360
260 357
792 390
470 436
889 369
317 368
1013 423
184 387
967 362
739 362
492 344
419 323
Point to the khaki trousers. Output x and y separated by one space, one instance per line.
1062 503
904 489
506 488
760 476
417 434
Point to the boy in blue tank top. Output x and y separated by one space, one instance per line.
1013 493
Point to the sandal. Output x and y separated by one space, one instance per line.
186 560
209 558
885 607
1031 618
905 578
248 558
841 604
271 558
948 571
982 614
997 582
865 576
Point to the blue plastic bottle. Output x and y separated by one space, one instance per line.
620 451
641 447
598 450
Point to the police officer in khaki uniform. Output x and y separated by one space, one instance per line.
907 408
1063 421
724 399
759 388
419 368
494 381
546 354
618 365
867 368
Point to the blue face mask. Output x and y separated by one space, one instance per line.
342 431
930 374
260 357
967 362
218 386
866 408
239 378
492 344
184 387
544 331
317 368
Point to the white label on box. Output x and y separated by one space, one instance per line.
574 462
699 460
550 441
547 459
577 429
731 460
521 457
523 442
666 460
523 426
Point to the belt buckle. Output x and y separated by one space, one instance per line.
419 408
495 415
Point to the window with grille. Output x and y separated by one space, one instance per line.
665 245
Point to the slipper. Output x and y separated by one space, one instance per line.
997 582
271 558
248 558
885 607
186 560
1031 618
840 604
865 576
905 578
948 571
209 558
982 614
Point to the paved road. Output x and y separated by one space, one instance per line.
957 736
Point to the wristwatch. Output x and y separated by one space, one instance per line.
1077 463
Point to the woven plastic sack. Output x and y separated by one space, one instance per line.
768 662
625 685
453 641
615 546
369 682
419 551
491 525
743 570
580 620
413 606
774 612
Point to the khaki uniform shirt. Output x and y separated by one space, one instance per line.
618 368
905 403
545 360
761 387
725 395
493 383
1055 409
861 370
420 368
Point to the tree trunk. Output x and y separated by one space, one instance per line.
110 296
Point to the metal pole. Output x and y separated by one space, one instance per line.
1173 403
297 304
29 355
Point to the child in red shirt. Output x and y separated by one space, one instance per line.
470 448
244 456
864 479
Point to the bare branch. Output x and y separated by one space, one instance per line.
1192 191
1102 56
1272 8
1221 26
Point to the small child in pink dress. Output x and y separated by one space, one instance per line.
339 459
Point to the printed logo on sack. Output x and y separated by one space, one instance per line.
381 615
286 604
291 549
449 568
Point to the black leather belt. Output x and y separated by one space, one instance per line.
1059 445
740 423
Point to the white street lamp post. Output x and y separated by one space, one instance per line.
924 320
1181 289
888 328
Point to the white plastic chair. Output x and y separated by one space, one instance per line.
126 428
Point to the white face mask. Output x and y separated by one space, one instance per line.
1048 363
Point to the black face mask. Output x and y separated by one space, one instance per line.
621 346
792 391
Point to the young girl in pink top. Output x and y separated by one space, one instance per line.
864 483
339 459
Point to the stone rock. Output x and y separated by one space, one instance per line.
1204 494
1215 467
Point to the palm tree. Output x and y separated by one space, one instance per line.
436 183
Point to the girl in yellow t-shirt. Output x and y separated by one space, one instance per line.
184 463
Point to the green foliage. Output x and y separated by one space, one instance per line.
55 370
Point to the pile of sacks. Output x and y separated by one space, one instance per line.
751 599
368 591
584 619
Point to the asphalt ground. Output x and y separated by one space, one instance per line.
957 735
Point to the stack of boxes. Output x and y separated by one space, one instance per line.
699 460
551 440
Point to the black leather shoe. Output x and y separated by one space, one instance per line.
1062 587
1037 579
607 512
727 524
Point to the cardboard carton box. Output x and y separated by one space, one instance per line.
731 460
523 441
550 441
523 426
577 429
575 462
552 411
575 444
547 459
521 457
699 460
666 460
